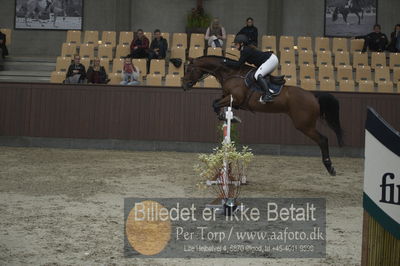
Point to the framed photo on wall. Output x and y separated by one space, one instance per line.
49 14
349 18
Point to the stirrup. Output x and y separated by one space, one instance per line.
265 99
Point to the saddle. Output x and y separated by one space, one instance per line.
275 83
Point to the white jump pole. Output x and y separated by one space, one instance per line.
227 140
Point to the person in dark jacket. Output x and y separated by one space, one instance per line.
96 74
376 41
76 72
158 48
3 47
266 62
394 45
139 45
250 31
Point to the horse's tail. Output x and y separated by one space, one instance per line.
329 111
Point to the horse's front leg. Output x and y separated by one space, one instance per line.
225 101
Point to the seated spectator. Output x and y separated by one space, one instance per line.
215 34
3 47
130 73
158 48
250 31
76 72
96 74
394 45
376 41
139 45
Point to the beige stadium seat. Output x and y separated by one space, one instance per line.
211 82
322 44
172 80
356 45
366 86
157 66
360 59
382 74
363 73
118 64
125 37
268 43
394 60
378 60
141 64
286 43
165 35
326 78
105 51
289 70
307 77
385 86
339 45
342 59
63 63
86 51
324 58
153 80
179 40
68 49
175 70
396 77
178 52
57 76
86 62
287 57
106 64
149 35
197 40
304 44
214 51
347 85
122 50
232 53
306 57
109 38
229 41
74 36
8 33
195 52
91 37
344 73
115 78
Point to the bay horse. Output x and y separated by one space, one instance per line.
354 8
303 107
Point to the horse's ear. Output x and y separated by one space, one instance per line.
190 60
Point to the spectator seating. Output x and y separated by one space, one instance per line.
122 51
214 51
68 50
91 37
195 52
8 33
306 57
268 43
356 45
172 80
304 44
197 40
74 36
179 40
286 43
109 38
339 45
322 44
125 37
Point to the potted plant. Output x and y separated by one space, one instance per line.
197 20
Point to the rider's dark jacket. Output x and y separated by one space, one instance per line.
250 55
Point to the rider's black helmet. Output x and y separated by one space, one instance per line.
241 38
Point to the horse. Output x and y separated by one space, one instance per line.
303 107
354 8
40 10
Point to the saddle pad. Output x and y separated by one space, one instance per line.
252 84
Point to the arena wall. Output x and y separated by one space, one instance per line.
164 115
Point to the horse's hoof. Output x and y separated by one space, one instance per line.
332 171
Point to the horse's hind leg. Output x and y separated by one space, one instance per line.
322 142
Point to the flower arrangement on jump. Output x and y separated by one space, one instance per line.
225 169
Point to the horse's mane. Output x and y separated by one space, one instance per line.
244 67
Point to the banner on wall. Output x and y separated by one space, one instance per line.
382 173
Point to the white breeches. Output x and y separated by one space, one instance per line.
267 67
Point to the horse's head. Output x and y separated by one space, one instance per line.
193 74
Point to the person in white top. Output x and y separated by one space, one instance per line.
215 34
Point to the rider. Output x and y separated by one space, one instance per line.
266 62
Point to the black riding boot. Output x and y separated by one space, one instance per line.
266 97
